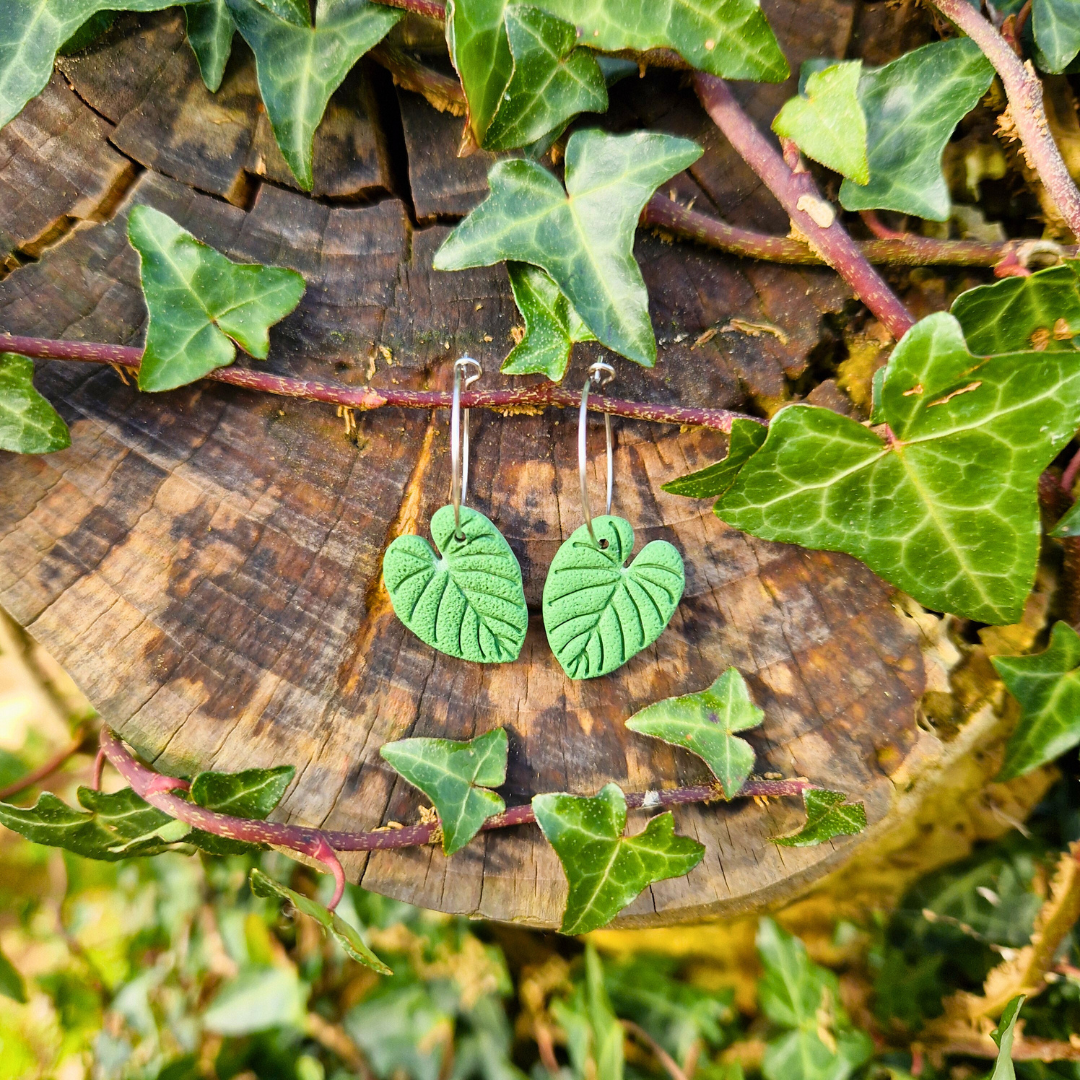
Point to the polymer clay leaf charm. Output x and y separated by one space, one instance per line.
467 601
597 612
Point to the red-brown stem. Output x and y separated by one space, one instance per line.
99 768
46 768
908 249
666 1061
1025 93
798 194
540 395
879 228
1068 477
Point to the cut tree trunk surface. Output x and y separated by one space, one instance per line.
206 563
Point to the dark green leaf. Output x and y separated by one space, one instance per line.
797 994
948 510
585 242
594 1036
298 12
299 67
88 33
828 814
714 480
552 326
1020 313
1047 686
552 80
210 30
252 793
1057 31
598 613
828 124
261 996
11 982
28 423
705 724
911 107
730 38
198 300
468 600
604 869
345 935
453 775
1003 1035
31 34
1069 525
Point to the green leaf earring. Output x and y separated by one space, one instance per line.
598 612
467 601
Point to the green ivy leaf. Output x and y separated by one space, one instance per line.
551 79
11 982
1056 24
454 776
1020 313
828 123
198 300
28 423
713 481
604 869
252 793
705 724
599 613
1003 1035
828 814
948 511
584 241
730 38
466 602
797 994
911 107
1069 525
300 66
298 12
1047 686
31 34
344 934
594 1036
210 30
552 326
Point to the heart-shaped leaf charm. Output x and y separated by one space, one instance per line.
598 612
469 602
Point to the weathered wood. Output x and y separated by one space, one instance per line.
206 562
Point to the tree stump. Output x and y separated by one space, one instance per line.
206 562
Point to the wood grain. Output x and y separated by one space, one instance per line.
206 563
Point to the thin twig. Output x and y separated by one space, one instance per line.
797 193
1025 93
364 399
669 1064
47 768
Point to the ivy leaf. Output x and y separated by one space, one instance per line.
11 982
705 724
1019 313
1069 525
1047 686
828 814
468 602
599 613
1056 25
828 123
604 869
344 934
730 38
1003 1035
947 511
454 776
28 423
300 66
911 107
298 12
198 300
551 79
797 994
594 1036
31 34
714 480
583 236
251 793
552 326
210 30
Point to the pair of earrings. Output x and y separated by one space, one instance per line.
467 601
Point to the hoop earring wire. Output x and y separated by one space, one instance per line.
459 439
600 374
